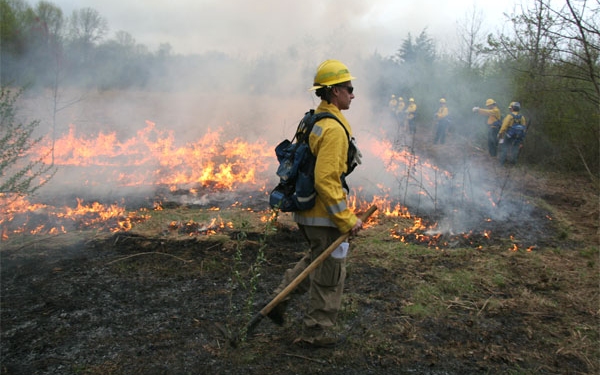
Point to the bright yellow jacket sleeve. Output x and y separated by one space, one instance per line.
493 114
329 143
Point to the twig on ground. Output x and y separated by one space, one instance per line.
151 252
307 358
483 307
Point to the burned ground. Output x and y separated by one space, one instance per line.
129 303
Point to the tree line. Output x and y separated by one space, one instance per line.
546 57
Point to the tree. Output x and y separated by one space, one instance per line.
554 55
470 38
51 19
86 29
19 172
422 50
87 26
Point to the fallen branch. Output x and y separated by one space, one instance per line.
150 252
307 358
483 307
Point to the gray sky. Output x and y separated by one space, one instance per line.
255 27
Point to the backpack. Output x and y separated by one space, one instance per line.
517 130
296 188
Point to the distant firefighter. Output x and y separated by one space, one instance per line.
401 106
393 103
494 120
411 114
511 134
400 113
442 121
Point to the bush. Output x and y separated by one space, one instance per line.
19 172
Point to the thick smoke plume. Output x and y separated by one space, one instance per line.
258 94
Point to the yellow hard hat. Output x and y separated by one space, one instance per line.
393 96
401 99
411 100
331 72
442 100
490 102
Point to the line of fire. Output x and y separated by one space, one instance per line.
215 174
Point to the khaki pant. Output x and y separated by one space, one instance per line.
325 284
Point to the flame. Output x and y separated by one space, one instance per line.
395 160
152 157
22 216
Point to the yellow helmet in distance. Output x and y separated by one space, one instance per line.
442 100
411 100
490 102
331 72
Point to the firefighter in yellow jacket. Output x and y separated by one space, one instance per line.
494 120
411 113
330 217
400 113
442 123
511 134
393 103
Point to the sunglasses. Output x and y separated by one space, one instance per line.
350 89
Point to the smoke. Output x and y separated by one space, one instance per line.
246 73
263 100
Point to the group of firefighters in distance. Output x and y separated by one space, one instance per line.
405 114
504 136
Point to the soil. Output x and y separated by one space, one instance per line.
169 303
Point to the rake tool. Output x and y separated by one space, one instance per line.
292 285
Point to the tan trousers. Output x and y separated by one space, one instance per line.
325 284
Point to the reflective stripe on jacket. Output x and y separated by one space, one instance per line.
329 143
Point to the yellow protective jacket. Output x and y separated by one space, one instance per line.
493 114
442 112
411 110
508 121
329 144
400 107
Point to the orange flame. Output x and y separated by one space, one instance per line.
158 160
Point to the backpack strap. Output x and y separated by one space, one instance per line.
351 148
321 115
516 118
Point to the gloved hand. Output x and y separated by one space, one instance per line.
501 141
475 109
358 155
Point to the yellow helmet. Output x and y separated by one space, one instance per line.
490 102
442 100
331 72
401 99
411 100
393 96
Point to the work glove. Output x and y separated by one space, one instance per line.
501 141
475 109
358 155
